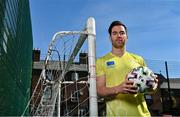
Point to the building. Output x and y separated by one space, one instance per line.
16 45
74 90
166 100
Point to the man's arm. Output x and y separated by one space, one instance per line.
124 88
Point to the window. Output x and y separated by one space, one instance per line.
5 42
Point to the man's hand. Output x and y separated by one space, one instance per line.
126 87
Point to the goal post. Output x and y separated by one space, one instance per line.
89 33
46 96
92 67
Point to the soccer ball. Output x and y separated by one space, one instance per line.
144 79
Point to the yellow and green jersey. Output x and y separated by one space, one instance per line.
115 69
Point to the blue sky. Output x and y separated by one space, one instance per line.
153 26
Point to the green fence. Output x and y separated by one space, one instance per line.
16 45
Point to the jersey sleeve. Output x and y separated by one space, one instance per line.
142 61
138 59
100 67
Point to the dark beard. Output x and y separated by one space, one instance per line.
118 46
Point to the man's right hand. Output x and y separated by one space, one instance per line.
126 87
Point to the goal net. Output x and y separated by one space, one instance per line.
67 84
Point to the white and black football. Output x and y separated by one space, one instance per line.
144 79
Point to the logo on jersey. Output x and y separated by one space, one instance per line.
110 64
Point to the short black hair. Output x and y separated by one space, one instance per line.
116 23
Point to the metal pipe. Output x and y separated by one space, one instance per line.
169 89
92 68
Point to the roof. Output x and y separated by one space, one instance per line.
174 83
55 65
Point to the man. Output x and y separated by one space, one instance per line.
122 98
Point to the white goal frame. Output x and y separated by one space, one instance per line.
88 33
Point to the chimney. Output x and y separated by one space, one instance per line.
36 55
83 58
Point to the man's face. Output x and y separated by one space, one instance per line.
118 36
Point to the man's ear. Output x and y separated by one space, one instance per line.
127 37
110 38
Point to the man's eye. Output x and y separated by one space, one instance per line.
122 32
114 33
